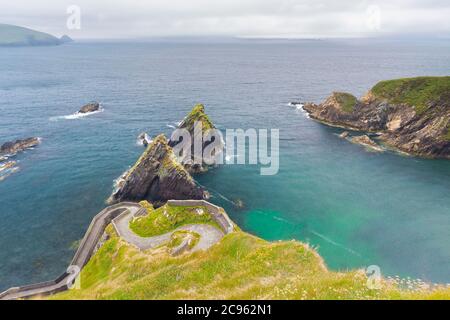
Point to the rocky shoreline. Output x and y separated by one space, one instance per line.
10 149
411 115
13 147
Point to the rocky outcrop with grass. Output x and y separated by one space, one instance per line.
157 176
412 115
196 116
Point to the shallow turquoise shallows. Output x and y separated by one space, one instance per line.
358 208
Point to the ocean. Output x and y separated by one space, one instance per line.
357 208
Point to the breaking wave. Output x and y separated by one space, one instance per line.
299 107
140 142
76 115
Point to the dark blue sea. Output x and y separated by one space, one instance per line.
357 208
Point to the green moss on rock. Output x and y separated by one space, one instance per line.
347 101
420 92
447 136
197 114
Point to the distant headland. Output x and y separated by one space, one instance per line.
411 115
15 36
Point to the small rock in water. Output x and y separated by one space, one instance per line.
239 204
367 142
90 107
344 135
7 165
13 147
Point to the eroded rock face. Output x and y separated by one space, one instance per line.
90 107
13 147
157 177
423 131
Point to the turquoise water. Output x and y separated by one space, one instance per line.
358 208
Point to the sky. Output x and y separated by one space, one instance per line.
115 19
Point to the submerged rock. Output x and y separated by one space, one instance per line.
413 115
7 165
90 107
7 168
199 117
13 147
367 142
157 177
239 204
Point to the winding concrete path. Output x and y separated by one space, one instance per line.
120 215
209 235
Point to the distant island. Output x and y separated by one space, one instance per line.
13 36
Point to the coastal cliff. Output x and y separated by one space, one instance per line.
157 177
412 115
237 266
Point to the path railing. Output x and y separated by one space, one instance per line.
219 215
81 258
90 241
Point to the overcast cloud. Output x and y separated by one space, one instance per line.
244 18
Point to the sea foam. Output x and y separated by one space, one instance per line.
76 115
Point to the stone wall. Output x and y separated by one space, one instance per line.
82 256
219 215
89 243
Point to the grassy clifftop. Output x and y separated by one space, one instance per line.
240 266
420 92
167 218
347 101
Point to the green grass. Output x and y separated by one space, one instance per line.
417 92
241 266
167 218
178 236
197 114
346 101
17 36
